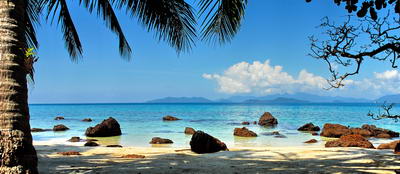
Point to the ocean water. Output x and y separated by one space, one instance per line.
141 122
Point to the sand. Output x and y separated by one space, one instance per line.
304 159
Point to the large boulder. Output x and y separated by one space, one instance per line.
203 143
244 132
352 140
377 131
158 140
390 145
308 127
267 120
170 118
189 130
109 127
334 130
60 127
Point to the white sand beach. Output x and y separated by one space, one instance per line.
303 159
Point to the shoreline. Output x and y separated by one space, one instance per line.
295 159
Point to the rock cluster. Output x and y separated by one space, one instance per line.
337 130
352 140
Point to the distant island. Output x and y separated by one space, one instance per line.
278 98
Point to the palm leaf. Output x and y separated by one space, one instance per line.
222 19
172 20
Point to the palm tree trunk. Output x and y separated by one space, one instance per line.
17 154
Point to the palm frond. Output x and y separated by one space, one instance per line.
32 12
172 20
70 34
105 10
222 19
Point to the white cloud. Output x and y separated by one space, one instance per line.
263 78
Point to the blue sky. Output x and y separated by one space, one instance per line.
276 31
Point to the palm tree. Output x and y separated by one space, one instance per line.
173 21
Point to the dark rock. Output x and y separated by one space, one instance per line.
314 133
245 123
397 149
334 130
267 120
309 127
91 143
60 127
170 118
376 131
39 130
352 140
114 145
107 128
59 118
311 141
87 120
69 153
75 139
390 145
158 140
189 130
244 132
280 136
133 156
203 143
270 133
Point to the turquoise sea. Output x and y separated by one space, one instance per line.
141 122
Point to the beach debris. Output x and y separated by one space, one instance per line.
114 145
204 143
107 128
376 131
132 156
39 130
311 141
397 149
170 118
75 139
245 123
189 130
69 153
158 140
308 127
314 133
244 132
270 133
60 127
59 118
91 144
390 145
87 120
267 120
352 140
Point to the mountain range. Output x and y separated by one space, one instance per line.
279 98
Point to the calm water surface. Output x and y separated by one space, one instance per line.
141 122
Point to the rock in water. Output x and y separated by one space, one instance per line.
245 123
353 140
376 131
244 132
189 130
59 118
107 128
170 118
158 140
91 143
390 145
311 141
203 143
334 130
75 139
60 127
362 132
309 127
87 120
397 149
267 120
